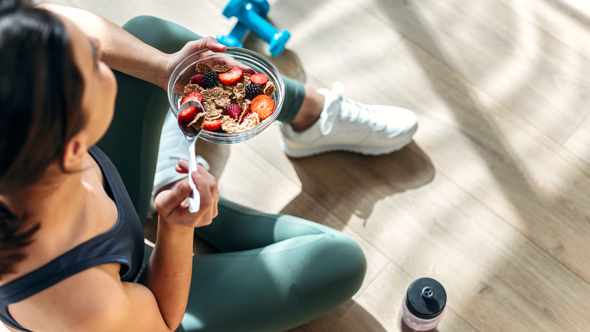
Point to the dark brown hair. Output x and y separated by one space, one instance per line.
40 111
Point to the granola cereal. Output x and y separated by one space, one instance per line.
222 101
198 122
212 93
221 69
203 68
192 88
230 125
269 89
245 107
245 79
238 91
211 110
250 122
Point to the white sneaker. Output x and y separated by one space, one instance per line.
346 125
173 147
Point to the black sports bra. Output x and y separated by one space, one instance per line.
121 244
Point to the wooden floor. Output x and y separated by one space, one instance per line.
493 196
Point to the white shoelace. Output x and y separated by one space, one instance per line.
357 112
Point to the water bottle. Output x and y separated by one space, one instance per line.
424 304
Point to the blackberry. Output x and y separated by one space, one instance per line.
253 90
211 80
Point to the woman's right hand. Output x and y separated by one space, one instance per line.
172 205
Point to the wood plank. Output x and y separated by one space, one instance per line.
499 280
531 182
202 17
578 143
566 20
357 319
325 322
509 59
383 300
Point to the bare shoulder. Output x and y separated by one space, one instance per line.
88 301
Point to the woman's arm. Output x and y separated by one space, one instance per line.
169 271
125 53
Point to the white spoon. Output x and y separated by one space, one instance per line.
191 135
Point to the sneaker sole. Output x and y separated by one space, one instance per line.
374 151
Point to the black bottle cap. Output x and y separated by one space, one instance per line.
426 298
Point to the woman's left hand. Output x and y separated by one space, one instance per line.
191 47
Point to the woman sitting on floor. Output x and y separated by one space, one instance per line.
71 236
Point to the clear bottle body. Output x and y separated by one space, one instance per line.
418 324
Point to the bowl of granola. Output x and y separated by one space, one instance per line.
242 93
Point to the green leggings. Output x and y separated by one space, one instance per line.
274 272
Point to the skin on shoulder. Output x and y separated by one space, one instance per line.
92 300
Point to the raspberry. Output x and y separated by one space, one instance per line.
249 71
233 110
211 80
198 79
253 90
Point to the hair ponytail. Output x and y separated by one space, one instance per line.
40 96
12 239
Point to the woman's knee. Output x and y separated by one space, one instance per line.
335 271
348 259
138 23
164 35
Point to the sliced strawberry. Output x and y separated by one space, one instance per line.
262 105
259 79
231 76
192 96
212 125
188 114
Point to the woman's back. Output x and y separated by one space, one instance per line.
99 241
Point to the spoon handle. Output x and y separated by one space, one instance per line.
194 201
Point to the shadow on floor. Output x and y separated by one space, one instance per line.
288 63
349 317
351 184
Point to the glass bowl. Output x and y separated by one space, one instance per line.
233 56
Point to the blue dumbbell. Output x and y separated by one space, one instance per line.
237 34
250 15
